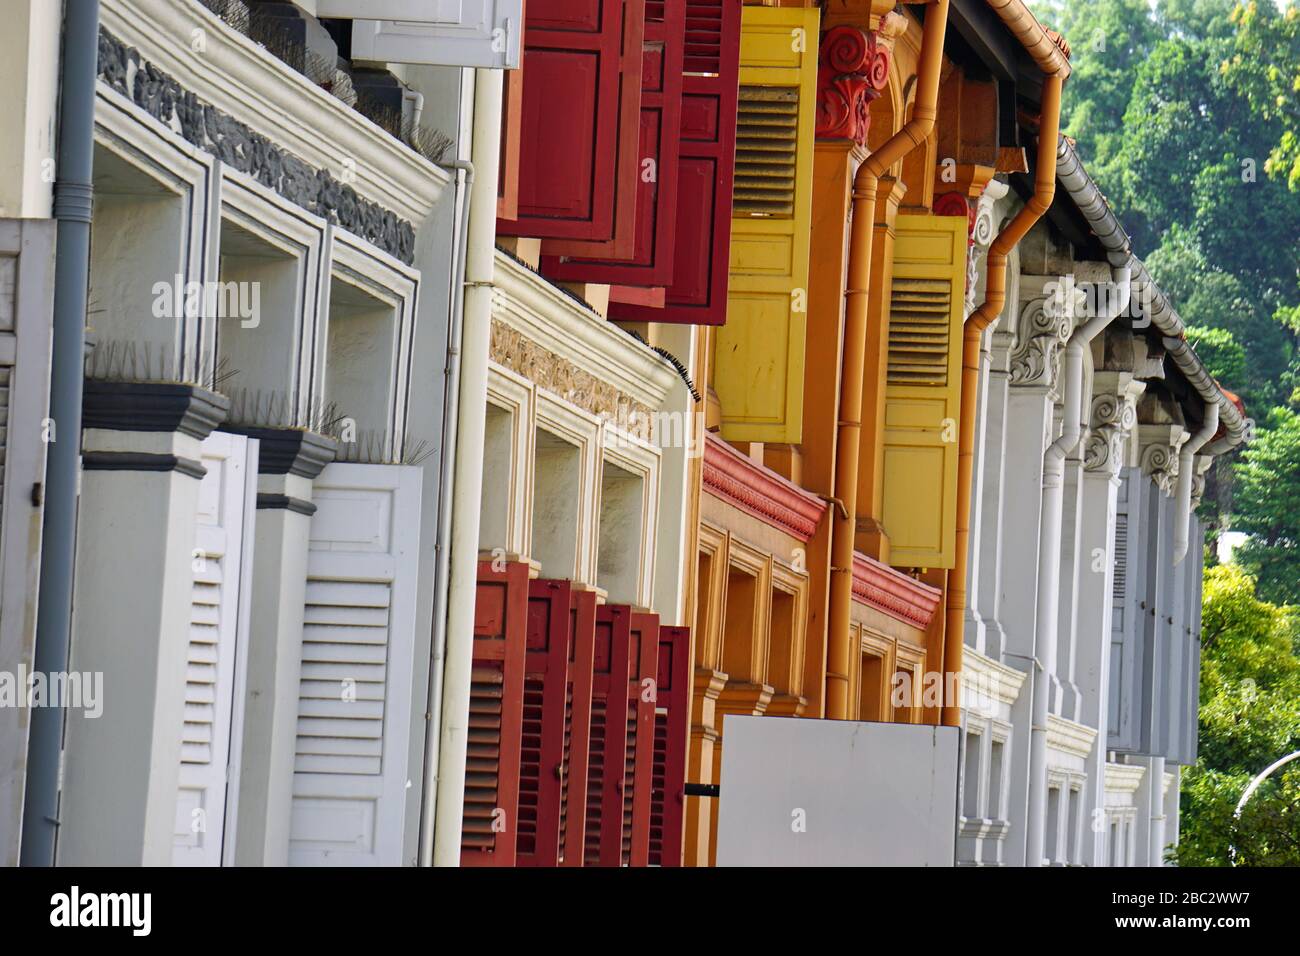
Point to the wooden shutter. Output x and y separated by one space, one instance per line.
479 33
26 291
580 125
496 711
671 731
603 842
759 359
643 661
218 631
577 727
358 645
651 263
512 105
545 719
706 155
923 390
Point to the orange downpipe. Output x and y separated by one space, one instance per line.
839 652
994 298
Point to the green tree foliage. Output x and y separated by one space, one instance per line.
1266 503
1265 67
1250 717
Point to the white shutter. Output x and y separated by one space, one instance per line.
218 627
482 33
354 704
26 294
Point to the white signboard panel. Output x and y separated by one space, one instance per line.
800 792
468 33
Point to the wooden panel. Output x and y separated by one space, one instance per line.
923 390
702 243
651 262
543 747
580 125
671 734
573 791
496 709
759 360
608 746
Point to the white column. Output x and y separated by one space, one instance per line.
290 459
135 576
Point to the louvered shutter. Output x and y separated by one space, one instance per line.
577 727
671 729
643 660
923 390
478 33
545 720
218 629
759 357
580 125
496 713
651 263
607 750
358 643
26 288
702 235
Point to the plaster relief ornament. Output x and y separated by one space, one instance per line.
852 70
1110 424
1159 462
1045 326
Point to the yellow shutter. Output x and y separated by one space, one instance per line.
759 359
923 390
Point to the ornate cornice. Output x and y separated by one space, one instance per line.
761 492
893 592
152 407
852 70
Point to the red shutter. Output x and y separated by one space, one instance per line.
581 105
491 812
546 666
577 727
702 228
651 263
637 778
512 104
672 715
604 826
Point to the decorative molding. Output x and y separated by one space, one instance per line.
761 492
571 332
289 451
1068 737
980 673
152 407
852 70
1043 328
1123 777
125 71
1158 456
894 593
1201 466
270 502
1111 421
141 461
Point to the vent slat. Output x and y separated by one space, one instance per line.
767 132
920 332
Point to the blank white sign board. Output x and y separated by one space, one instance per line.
798 792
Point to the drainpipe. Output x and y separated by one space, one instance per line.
480 258
849 432
1049 554
73 205
446 475
1186 460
